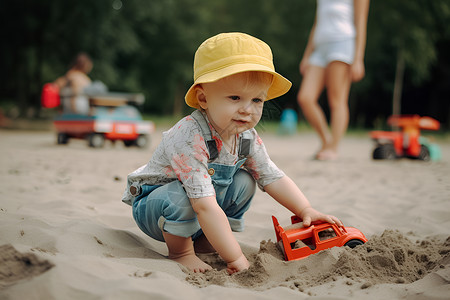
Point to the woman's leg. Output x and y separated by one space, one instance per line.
308 98
337 81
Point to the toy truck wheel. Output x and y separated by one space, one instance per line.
62 139
385 151
354 243
424 153
96 140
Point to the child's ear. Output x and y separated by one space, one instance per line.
201 96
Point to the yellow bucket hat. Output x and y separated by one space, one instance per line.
226 54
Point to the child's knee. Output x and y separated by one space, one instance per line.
177 206
244 188
245 181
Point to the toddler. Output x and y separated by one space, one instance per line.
202 177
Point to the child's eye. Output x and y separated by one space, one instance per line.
257 100
234 97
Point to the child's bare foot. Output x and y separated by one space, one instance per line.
192 262
181 250
202 245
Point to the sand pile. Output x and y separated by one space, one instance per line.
389 258
16 266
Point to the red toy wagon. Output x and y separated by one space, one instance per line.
298 242
113 117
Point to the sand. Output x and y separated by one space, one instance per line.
64 233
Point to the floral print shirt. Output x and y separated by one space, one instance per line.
183 155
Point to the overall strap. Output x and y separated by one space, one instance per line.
245 143
206 131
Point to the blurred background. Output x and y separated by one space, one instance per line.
147 46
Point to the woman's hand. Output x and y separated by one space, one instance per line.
357 71
304 64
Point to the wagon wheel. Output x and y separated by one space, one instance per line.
96 140
62 138
142 141
128 143
354 243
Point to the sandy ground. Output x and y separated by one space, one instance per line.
64 233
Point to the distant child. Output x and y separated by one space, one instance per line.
73 84
202 177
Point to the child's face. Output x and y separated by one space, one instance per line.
233 104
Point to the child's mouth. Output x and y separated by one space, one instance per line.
241 122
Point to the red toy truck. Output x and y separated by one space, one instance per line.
298 242
407 142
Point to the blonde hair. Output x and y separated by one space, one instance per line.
251 78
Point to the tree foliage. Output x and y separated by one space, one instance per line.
148 46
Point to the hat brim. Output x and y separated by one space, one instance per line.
279 86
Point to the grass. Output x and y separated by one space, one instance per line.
271 126
302 127
266 126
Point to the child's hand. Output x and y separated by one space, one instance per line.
310 215
239 264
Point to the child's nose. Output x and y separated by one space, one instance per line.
246 109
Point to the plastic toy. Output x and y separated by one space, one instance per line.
111 118
298 242
407 142
288 122
50 96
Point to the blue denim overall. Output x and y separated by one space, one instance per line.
168 208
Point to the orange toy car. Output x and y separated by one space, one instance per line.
407 142
298 242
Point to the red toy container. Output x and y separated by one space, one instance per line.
50 96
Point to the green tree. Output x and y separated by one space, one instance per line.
148 46
402 41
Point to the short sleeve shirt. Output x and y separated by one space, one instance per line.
182 155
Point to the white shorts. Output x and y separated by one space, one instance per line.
325 53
